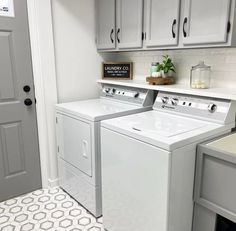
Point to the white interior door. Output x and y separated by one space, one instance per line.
162 28
205 21
129 23
105 15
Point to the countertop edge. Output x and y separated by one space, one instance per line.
219 93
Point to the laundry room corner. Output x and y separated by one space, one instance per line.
64 66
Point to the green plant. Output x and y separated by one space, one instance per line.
166 65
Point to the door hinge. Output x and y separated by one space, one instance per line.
58 149
56 120
228 27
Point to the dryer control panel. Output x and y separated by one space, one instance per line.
136 96
209 109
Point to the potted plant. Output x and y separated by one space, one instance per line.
166 67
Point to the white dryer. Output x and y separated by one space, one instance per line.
78 139
148 161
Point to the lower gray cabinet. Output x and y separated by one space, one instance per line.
215 182
203 219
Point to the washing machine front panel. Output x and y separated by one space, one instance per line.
135 177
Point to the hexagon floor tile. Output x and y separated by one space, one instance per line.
46 209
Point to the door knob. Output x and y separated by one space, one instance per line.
28 102
26 88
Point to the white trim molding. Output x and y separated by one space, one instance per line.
43 59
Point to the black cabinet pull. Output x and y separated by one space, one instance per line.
173 25
28 102
26 88
117 35
111 35
184 31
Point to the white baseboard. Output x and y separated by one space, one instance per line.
53 183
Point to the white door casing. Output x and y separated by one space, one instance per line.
43 59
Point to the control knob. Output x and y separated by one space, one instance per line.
107 90
165 100
136 95
212 107
174 101
113 90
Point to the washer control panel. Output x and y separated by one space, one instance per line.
127 94
193 106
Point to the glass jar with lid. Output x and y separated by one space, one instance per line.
200 76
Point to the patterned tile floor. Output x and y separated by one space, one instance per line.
46 209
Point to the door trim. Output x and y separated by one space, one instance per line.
44 71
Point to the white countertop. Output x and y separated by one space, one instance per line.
220 93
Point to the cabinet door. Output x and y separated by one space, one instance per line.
205 21
129 23
105 15
162 29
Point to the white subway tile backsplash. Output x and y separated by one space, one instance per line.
222 61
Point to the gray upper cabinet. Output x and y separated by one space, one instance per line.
165 24
129 23
105 19
205 21
162 29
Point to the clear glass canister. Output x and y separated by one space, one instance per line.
200 76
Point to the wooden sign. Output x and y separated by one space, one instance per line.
117 70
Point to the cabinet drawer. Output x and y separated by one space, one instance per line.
215 185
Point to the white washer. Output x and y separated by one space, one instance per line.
148 161
78 139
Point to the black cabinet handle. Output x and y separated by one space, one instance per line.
111 35
184 31
117 35
173 25
26 88
28 102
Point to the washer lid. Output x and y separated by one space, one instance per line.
163 125
164 130
97 109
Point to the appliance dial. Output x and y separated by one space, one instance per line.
165 100
136 95
107 90
212 107
113 90
174 101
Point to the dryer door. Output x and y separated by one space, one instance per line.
74 142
